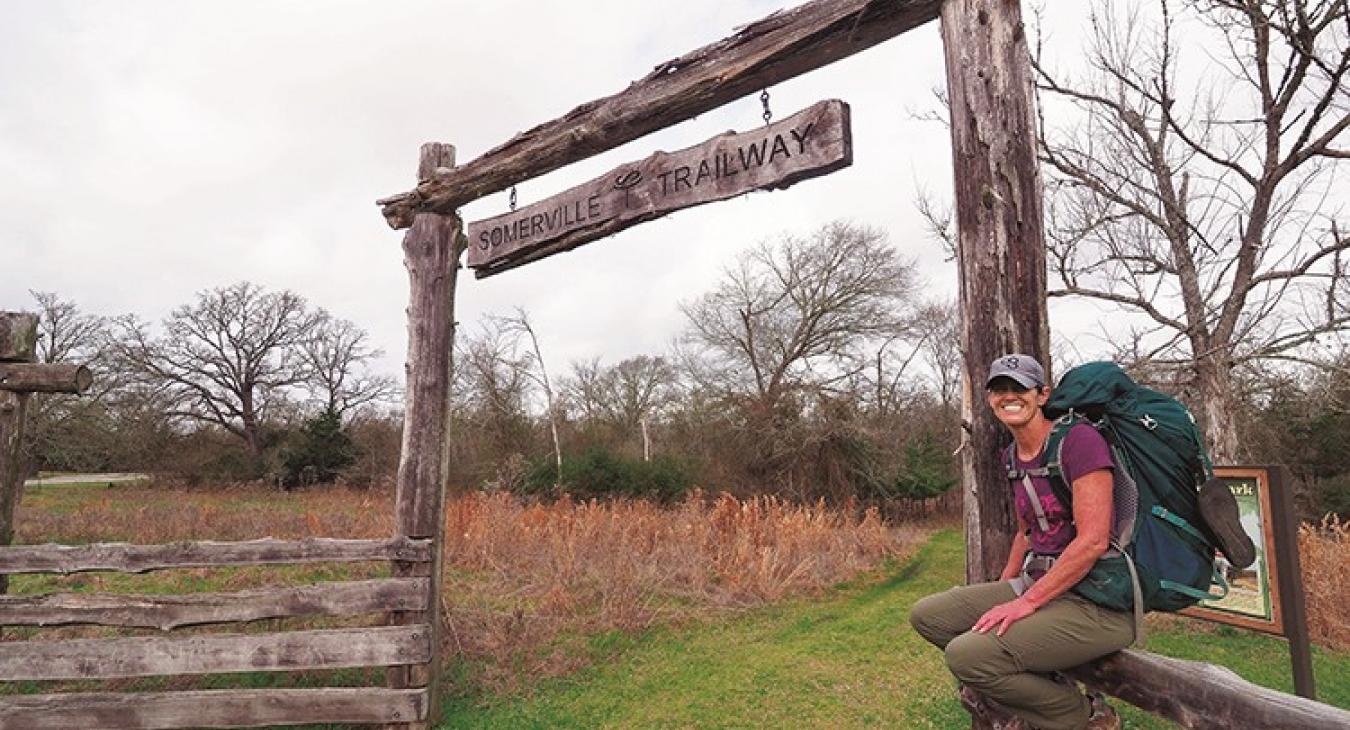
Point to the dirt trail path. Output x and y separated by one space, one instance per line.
110 477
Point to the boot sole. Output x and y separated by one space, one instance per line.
1220 512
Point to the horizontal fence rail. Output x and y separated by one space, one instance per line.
215 653
212 708
169 612
128 558
1203 696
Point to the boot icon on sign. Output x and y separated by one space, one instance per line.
626 182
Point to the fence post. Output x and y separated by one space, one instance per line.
18 343
431 250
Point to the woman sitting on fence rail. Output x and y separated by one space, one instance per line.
1006 640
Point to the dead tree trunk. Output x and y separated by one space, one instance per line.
431 251
1000 243
18 339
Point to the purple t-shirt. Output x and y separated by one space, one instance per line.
1084 451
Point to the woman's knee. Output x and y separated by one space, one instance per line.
973 658
925 618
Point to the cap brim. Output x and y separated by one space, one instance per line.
1022 379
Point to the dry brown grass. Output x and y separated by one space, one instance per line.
1324 551
168 513
526 585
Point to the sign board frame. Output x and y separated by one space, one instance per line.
1278 573
1252 490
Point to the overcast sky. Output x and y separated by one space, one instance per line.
152 150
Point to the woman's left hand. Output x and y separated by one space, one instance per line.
1004 615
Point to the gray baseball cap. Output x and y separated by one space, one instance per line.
1022 368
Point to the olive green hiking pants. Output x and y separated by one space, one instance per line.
1013 669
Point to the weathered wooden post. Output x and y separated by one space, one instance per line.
19 378
1001 250
1000 243
18 340
431 250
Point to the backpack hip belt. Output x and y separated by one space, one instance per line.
1033 561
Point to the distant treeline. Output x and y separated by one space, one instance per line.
813 369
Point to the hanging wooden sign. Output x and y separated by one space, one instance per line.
813 142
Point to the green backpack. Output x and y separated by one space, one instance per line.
1162 554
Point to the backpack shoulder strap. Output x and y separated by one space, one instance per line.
1054 449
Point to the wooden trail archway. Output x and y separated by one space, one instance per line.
1001 263
1001 254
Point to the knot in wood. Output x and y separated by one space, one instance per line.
988 197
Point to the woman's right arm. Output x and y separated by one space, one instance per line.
1017 554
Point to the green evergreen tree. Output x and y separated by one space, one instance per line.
320 451
926 471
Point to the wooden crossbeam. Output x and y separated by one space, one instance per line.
771 50
127 558
211 708
56 377
338 598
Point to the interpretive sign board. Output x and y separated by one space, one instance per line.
1253 592
813 142
1268 595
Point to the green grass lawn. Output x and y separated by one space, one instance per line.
846 660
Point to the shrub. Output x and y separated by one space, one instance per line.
1332 496
927 470
318 452
597 473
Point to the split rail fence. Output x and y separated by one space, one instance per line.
384 623
212 653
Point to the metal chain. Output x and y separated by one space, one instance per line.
513 198
764 99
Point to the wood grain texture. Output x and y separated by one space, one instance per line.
13 413
18 336
1203 696
127 558
431 253
813 142
214 653
169 612
211 708
1000 245
763 53
57 377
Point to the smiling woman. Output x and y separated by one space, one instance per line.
1005 641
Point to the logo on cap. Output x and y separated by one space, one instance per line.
1011 362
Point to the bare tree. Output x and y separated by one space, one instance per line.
229 359
66 334
794 319
802 311
625 396
338 354
1204 200
68 431
534 368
